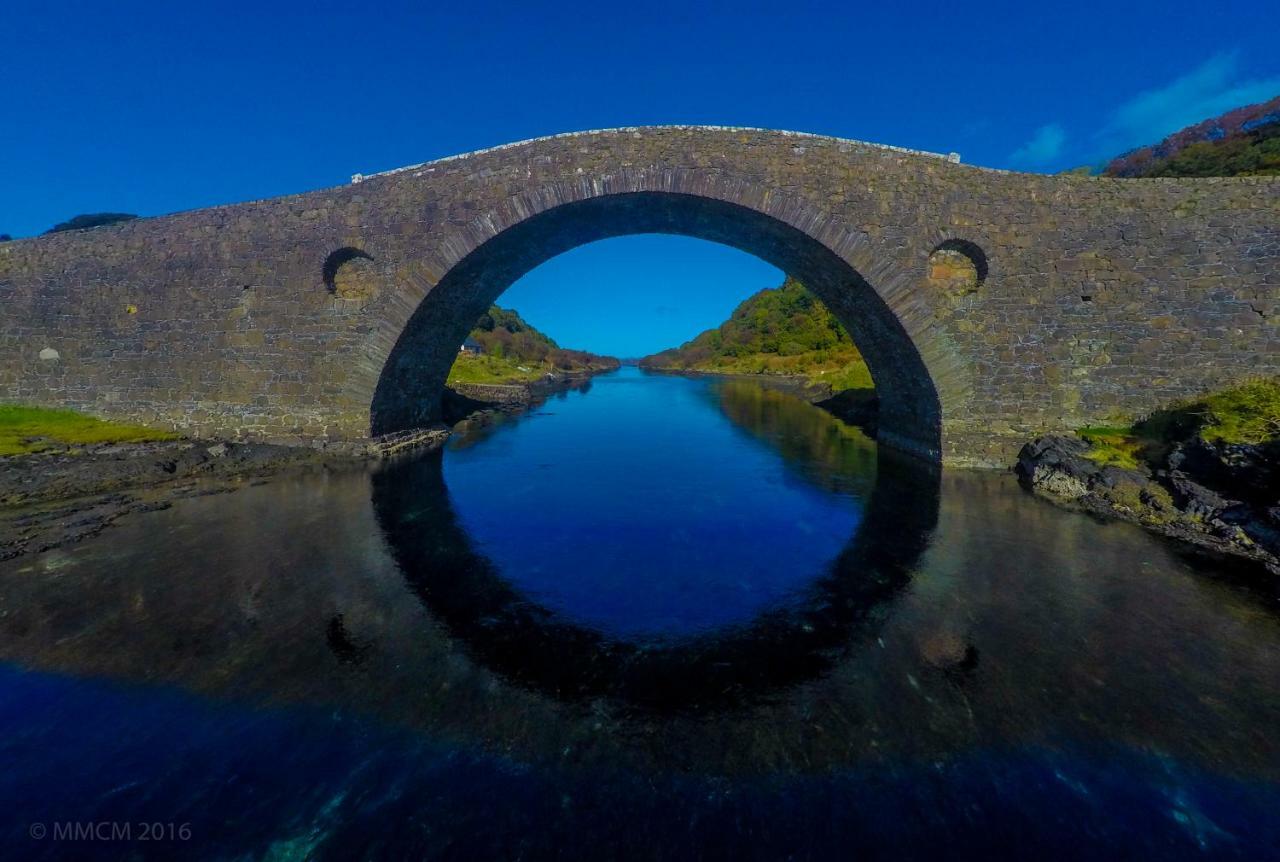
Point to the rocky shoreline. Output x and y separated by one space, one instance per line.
1224 499
66 494
466 406
1220 498
464 400
69 473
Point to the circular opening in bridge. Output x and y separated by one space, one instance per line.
724 356
409 389
349 273
957 268
639 506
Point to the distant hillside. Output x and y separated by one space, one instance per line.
1242 142
784 330
512 351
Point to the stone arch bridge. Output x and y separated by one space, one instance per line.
335 314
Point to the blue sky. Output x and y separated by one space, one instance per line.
159 107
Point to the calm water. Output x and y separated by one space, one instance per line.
657 618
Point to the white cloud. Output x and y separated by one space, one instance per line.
1210 89
1045 146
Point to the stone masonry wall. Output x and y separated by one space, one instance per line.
1101 297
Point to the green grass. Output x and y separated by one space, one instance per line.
1114 446
839 369
1248 413
779 331
495 369
24 430
490 369
855 375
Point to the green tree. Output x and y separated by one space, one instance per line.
783 330
1254 154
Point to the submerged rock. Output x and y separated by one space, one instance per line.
947 650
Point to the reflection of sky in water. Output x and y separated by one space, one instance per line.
639 508
1047 687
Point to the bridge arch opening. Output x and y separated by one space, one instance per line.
409 388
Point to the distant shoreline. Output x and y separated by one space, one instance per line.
797 383
66 494
857 407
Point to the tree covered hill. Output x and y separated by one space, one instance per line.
510 350
1242 142
785 331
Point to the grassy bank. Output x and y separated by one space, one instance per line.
469 368
835 369
510 351
1248 414
505 370
24 430
779 331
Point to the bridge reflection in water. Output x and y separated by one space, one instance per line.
534 646
974 667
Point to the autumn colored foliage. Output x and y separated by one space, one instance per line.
1242 142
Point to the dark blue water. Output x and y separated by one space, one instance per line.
640 511
418 662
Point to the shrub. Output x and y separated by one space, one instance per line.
88 220
1247 413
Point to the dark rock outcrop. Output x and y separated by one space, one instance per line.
65 495
1223 498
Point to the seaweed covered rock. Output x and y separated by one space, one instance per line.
1206 470
1212 496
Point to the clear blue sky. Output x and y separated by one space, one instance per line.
158 107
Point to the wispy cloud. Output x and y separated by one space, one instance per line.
1045 146
1207 90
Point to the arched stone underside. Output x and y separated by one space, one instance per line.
329 315
408 391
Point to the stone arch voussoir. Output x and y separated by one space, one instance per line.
886 271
